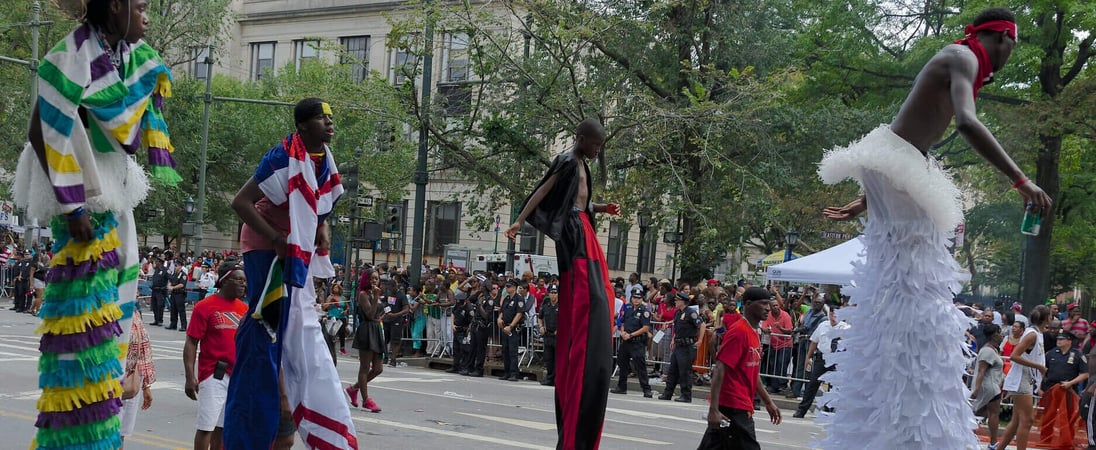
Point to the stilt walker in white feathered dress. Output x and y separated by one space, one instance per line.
899 384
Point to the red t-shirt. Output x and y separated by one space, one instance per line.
213 323
740 353
779 339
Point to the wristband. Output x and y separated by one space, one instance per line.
1020 182
75 214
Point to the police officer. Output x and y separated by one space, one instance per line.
158 283
634 321
686 326
23 293
1066 365
177 305
549 323
509 322
462 340
481 328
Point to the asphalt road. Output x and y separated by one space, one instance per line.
422 408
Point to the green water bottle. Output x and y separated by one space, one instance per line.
1033 221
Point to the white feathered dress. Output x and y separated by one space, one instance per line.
899 381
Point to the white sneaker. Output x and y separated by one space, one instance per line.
992 447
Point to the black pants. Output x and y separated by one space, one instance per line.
462 355
178 310
632 355
681 370
479 348
510 352
818 367
550 358
159 300
739 435
23 295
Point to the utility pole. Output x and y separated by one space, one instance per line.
422 177
199 219
35 23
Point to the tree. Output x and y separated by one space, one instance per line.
240 133
689 91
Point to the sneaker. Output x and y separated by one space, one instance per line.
353 393
371 405
342 350
618 391
648 394
992 447
791 395
799 415
683 399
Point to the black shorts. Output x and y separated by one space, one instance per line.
739 435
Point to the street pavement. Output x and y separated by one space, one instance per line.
422 408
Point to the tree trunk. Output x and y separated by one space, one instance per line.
971 266
1036 287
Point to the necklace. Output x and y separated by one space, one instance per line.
115 55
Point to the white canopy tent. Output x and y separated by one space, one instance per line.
830 266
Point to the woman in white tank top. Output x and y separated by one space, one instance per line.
1022 381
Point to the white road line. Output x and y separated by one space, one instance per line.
456 434
544 426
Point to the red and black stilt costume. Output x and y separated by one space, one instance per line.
584 356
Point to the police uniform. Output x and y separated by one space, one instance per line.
481 329
462 339
1063 366
158 283
22 293
632 353
178 300
686 327
549 316
512 305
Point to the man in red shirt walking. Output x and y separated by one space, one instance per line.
738 374
213 326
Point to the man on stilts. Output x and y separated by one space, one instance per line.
100 96
560 207
916 398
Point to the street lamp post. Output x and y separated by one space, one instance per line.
790 239
188 226
643 222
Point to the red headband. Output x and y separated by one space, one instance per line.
993 25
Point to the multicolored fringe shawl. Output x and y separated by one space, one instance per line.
124 105
81 355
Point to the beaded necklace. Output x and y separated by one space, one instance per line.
115 55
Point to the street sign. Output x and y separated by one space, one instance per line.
836 235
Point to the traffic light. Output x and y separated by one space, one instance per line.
393 222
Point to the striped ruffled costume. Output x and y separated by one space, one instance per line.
91 286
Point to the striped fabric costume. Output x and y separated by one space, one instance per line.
91 286
281 330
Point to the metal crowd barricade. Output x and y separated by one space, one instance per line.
779 366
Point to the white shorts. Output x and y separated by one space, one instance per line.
212 394
39 284
129 411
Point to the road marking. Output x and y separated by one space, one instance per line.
143 438
410 380
25 395
544 426
456 434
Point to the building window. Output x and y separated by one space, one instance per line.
617 250
262 59
648 243
356 56
200 68
402 65
442 226
305 50
532 241
455 56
